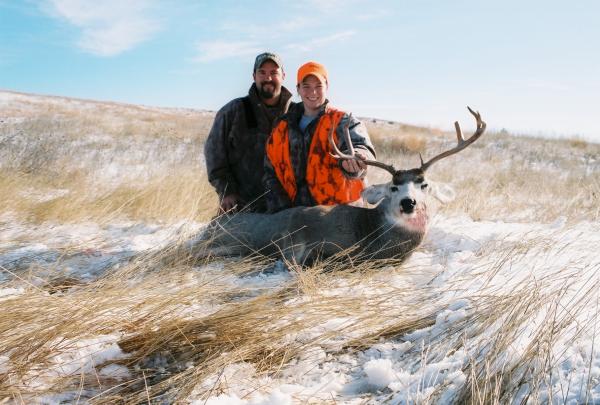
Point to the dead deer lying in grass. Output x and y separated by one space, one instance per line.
393 229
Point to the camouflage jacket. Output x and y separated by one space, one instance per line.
277 198
235 153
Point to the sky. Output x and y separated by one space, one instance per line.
530 67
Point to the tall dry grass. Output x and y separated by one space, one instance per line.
504 177
182 324
177 348
68 160
393 138
96 159
182 193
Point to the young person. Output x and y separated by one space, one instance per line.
299 170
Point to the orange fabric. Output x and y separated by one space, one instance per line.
278 152
312 68
325 179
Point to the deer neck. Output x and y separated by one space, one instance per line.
387 237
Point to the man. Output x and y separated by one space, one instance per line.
235 147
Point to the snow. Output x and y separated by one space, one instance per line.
115 371
276 397
32 102
86 355
562 256
469 279
76 358
44 196
4 364
408 369
86 250
379 372
6 293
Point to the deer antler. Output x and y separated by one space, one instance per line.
351 155
462 143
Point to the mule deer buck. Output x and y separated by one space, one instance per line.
392 229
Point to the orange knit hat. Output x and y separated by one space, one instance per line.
312 68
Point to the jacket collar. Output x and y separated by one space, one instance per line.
296 111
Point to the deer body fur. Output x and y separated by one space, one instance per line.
304 234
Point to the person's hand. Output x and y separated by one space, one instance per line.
355 166
231 202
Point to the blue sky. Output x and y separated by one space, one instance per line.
528 66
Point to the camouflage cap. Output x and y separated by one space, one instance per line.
263 57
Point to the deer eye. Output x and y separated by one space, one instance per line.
394 188
424 186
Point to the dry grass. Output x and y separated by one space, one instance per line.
184 324
69 160
512 178
393 138
255 328
182 193
176 349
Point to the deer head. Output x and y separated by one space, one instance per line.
404 195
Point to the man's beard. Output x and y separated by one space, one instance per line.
266 94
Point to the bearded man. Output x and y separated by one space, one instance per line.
235 147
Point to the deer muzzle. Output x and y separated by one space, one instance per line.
408 205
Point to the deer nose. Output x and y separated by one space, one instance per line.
408 205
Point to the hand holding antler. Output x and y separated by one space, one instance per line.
353 158
356 164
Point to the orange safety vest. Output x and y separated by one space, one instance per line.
326 181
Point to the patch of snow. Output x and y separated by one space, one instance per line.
4 364
84 250
115 371
84 355
462 265
379 372
43 195
6 293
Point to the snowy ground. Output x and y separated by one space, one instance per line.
423 365
483 310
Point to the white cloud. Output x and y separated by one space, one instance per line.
108 27
275 30
222 49
209 51
294 24
310 45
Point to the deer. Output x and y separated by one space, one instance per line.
392 229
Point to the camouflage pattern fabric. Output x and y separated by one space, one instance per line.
300 141
235 153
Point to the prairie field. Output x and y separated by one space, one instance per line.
99 303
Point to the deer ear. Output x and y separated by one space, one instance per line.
442 192
376 193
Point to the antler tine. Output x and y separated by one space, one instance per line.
338 154
461 142
352 155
